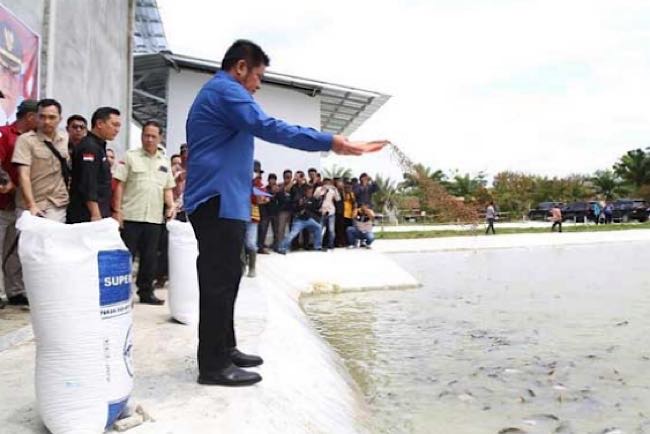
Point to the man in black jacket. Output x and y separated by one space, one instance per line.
90 190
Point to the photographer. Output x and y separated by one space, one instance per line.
306 217
361 231
328 194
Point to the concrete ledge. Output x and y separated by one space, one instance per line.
306 388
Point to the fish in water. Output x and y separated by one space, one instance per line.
612 431
512 430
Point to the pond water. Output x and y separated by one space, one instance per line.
544 340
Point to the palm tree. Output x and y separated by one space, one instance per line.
634 167
466 185
420 171
337 172
607 184
385 199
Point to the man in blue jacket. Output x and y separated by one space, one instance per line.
221 126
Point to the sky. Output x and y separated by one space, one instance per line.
547 87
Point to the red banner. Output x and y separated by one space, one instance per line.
19 58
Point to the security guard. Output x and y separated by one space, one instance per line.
143 195
90 191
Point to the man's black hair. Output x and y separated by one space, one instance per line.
103 114
272 176
153 123
248 51
73 118
49 102
300 172
287 171
175 156
311 169
364 175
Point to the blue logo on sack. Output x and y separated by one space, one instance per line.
114 276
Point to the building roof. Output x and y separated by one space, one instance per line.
148 32
343 108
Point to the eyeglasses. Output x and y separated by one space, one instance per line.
77 127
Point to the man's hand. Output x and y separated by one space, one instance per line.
95 217
35 211
342 146
117 215
170 213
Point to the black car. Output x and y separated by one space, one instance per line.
542 211
579 211
630 209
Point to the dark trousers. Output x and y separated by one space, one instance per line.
558 224
162 267
142 240
263 229
340 228
490 223
284 224
220 243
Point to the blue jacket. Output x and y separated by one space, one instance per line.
220 129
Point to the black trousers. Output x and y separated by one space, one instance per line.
263 229
142 240
558 224
220 243
490 226
162 261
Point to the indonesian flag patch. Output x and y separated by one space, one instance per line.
88 157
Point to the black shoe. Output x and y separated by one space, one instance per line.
151 299
230 376
244 360
18 300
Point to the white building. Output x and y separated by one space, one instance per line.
165 84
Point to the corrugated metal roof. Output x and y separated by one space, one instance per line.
343 108
148 32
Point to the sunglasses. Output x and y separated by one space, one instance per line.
77 127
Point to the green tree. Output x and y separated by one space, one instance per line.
413 179
634 167
336 171
465 185
386 197
514 192
607 184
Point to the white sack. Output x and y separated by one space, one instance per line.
183 280
78 281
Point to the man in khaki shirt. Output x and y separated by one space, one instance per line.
42 172
143 200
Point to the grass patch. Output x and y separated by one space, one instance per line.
480 230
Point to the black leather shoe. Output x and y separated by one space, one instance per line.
18 300
244 360
151 299
231 376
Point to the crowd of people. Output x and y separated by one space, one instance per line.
72 177
308 212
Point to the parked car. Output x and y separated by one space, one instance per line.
625 210
542 211
579 211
